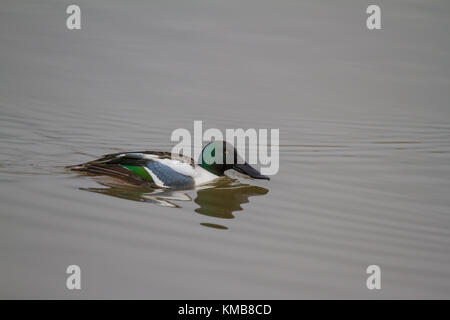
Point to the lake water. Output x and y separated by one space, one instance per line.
364 119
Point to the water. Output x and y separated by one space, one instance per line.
364 156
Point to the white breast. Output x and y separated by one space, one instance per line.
203 176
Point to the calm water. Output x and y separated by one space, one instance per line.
364 119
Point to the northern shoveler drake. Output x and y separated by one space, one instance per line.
166 170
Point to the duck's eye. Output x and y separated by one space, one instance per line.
213 152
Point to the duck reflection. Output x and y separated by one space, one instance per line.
161 197
220 200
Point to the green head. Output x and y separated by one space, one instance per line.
219 156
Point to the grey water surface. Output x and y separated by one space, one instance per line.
364 119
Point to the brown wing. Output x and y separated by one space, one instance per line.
112 165
114 157
114 170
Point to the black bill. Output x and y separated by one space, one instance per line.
245 168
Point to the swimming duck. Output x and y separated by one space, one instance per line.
165 170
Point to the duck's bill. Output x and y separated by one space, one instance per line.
247 169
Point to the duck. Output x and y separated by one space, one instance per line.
158 169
